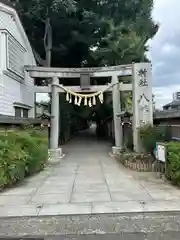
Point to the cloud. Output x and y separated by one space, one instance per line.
163 95
42 97
165 50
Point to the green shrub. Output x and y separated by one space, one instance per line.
37 151
12 163
38 157
150 135
173 162
21 154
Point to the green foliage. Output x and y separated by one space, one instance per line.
150 135
89 32
26 126
21 154
12 163
173 162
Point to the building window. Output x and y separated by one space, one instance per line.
21 112
178 95
17 112
25 113
15 56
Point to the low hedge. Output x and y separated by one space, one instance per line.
173 162
151 134
21 154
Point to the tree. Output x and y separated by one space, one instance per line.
39 18
128 26
69 29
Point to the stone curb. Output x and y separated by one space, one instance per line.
90 224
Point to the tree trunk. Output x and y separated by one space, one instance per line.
48 48
48 53
48 42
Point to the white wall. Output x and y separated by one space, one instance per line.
11 93
10 89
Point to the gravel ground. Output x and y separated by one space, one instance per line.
104 226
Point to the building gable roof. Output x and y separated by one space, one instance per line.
11 11
173 103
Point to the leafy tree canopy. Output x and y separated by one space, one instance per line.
87 32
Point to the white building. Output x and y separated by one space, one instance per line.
16 88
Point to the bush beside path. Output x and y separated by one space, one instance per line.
150 135
22 153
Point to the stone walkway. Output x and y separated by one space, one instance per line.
88 181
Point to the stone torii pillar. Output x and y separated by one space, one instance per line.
142 100
118 133
54 137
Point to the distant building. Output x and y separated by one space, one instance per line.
41 108
175 104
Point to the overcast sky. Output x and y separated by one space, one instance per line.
164 51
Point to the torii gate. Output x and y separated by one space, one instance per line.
142 95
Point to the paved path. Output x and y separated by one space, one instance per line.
88 181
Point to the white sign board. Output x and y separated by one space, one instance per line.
161 153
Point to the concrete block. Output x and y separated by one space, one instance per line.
65 209
50 198
91 197
19 211
55 155
117 207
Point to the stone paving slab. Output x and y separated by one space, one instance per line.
91 197
161 206
54 189
117 207
23 210
14 200
65 209
131 196
50 198
18 191
90 187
